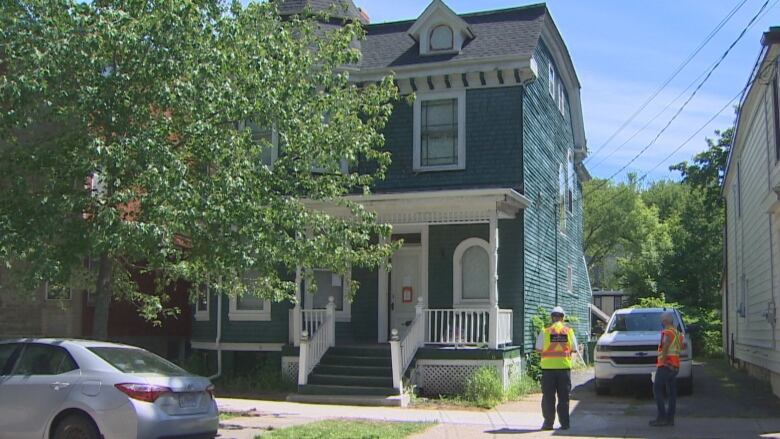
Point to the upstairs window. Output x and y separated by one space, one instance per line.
571 182
551 80
266 137
442 38
439 132
562 198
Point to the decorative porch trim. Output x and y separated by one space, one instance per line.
242 347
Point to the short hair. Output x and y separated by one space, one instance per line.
667 316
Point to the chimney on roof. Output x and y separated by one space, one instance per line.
363 16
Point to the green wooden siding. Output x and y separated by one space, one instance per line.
493 145
511 258
547 138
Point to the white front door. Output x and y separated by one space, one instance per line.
405 286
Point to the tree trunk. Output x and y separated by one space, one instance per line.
103 294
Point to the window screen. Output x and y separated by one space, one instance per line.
475 273
439 141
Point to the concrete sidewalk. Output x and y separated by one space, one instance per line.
521 420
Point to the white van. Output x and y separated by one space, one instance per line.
629 348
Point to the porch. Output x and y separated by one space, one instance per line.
442 294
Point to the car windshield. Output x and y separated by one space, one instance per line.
129 360
638 321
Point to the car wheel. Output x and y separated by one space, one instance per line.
685 386
76 427
603 387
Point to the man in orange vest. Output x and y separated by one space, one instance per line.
556 345
668 365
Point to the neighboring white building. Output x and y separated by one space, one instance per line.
751 282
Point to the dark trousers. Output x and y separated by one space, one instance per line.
665 388
556 382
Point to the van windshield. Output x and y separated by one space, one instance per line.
639 321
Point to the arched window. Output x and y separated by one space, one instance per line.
442 38
471 272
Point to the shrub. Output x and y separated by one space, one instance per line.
484 388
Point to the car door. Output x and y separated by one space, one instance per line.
35 389
9 353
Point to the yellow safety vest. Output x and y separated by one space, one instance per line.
558 347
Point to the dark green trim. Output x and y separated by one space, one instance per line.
468 354
290 351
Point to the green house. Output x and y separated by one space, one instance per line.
485 192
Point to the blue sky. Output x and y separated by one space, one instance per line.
623 51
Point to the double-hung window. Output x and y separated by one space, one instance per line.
440 131
330 284
250 307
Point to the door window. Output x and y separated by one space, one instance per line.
39 359
7 357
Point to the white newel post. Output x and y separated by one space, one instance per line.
330 312
493 336
297 312
395 353
302 359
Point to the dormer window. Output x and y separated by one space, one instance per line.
442 38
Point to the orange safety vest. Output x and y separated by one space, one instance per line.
558 346
673 355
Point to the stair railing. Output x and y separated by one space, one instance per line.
403 349
314 344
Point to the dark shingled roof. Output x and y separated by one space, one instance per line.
341 8
503 32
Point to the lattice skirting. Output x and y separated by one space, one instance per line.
448 377
290 368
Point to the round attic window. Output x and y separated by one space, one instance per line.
442 38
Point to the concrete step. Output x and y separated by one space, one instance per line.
323 389
356 370
350 381
363 400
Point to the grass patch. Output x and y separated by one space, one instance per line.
344 429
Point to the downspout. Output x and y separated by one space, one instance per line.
218 341
771 311
555 231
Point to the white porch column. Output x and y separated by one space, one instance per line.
297 314
493 257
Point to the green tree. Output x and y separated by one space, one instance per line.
148 96
618 224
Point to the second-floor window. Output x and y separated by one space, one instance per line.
439 130
266 137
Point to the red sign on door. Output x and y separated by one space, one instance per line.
407 295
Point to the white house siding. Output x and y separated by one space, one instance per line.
753 259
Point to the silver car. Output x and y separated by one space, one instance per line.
74 389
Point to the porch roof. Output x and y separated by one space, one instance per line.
447 206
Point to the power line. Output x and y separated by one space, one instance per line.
758 74
671 78
690 98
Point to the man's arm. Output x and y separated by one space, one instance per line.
540 342
666 342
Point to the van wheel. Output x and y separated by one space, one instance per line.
76 427
685 386
603 387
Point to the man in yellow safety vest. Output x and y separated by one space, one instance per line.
667 367
556 345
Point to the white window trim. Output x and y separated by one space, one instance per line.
421 97
345 315
246 315
570 279
46 295
551 80
430 39
203 315
274 141
457 273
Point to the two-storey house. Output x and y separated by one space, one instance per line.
484 190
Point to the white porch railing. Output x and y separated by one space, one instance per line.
403 349
468 327
504 326
317 336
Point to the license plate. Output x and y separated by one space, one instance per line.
188 400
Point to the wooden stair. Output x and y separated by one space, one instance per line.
352 375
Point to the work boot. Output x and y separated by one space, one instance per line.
547 427
660 422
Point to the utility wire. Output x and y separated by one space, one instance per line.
671 78
690 98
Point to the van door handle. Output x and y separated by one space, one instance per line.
58 385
